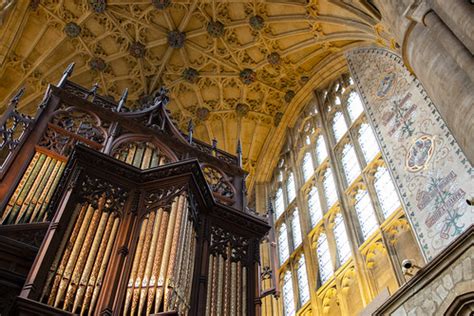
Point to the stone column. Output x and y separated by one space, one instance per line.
458 16
438 58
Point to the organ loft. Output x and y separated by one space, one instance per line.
267 158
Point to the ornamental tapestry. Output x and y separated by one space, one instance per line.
431 172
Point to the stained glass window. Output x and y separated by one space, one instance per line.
354 105
386 192
324 258
296 228
290 187
329 188
303 285
288 298
321 151
342 243
308 167
283 250
349 163
279 203
357 158
365 213
339 126
368 143
314 207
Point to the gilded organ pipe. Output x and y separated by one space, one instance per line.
122 239
151 286
78 278
32 195
227 274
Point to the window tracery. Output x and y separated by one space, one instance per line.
342 242
288 298
339 126
368 143
351 196
354 106
329 188
321 151
296 229
279 202
349 163
283 247
365 213
303 285
386 192
307 166
324 258
290 187
314 206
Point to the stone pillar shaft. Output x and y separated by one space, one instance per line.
458 16
438 58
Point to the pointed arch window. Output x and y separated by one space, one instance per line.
365 213
279 202
314 207
368 143
386 192
303 286
349 163
339 126
321 151
329 188
324 258
290 187
342 242
288 297
354 106
308 167
296 229
283 249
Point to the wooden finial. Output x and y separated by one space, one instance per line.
190 131
214 147
239 153
17 96
66 74
122 100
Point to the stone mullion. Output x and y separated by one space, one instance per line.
359 262
310 269
296 289
294 203
327 225
354 130
394 260
344 305
369 183
392 254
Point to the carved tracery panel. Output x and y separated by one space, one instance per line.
70 127
220 184
227 273
141 154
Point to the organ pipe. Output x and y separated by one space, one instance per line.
33 193
77 280
121 239
151 286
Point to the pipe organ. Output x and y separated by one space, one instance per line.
131 215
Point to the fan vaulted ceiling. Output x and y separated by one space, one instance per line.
238 69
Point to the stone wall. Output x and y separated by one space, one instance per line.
440 286
432 174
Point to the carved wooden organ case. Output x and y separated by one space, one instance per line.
138 218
